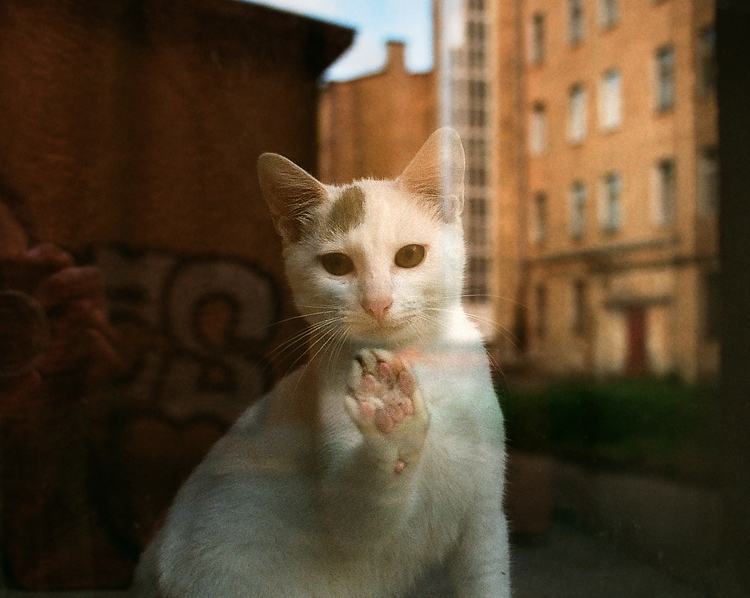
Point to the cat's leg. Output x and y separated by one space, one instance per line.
480 564
386 405
368 484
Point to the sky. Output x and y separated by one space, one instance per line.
375 21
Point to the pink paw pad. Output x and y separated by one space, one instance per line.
381 389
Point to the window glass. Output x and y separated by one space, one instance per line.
575 21
665 85
610 100
538 129
537 39
577 114
578 210
609 13
611 202
708 189
708 64
539 227
665 192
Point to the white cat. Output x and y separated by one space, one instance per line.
385 454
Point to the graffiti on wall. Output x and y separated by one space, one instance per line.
194 329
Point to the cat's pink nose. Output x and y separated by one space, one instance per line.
377 307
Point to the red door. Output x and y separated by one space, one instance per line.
636 358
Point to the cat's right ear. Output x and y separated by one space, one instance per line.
291 194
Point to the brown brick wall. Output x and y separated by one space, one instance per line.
372 126
132 130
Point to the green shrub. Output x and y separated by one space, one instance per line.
620 422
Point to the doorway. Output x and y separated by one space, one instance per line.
636 362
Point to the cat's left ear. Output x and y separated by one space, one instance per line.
436 174
291 194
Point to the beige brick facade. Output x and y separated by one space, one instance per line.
630 293
626 284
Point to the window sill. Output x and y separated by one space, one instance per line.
610 130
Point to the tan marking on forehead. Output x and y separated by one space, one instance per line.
348 210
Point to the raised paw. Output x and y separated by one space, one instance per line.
382 392
384 401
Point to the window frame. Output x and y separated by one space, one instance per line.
609 13
540 217
708 180
537 38
708 64
576 25
577 114
538 129
665 84
610 100
578 198
665 192
611 202
579 307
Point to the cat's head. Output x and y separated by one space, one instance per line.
377 261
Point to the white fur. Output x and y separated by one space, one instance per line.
289 507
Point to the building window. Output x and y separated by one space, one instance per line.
578 321
610 100
708 64
476 39
476 231
609 13
665 192
478 267
541 311
477 116
477 90
577 114
712 306
575 21
665 91
476 58
537 39
539 219
708 175
578 210
538 129
476 175
611 202
476 161
477 95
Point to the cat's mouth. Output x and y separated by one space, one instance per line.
386 330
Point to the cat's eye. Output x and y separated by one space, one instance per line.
409 256
337 264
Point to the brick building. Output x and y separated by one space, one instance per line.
591 185
608 167
373 125
131 128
